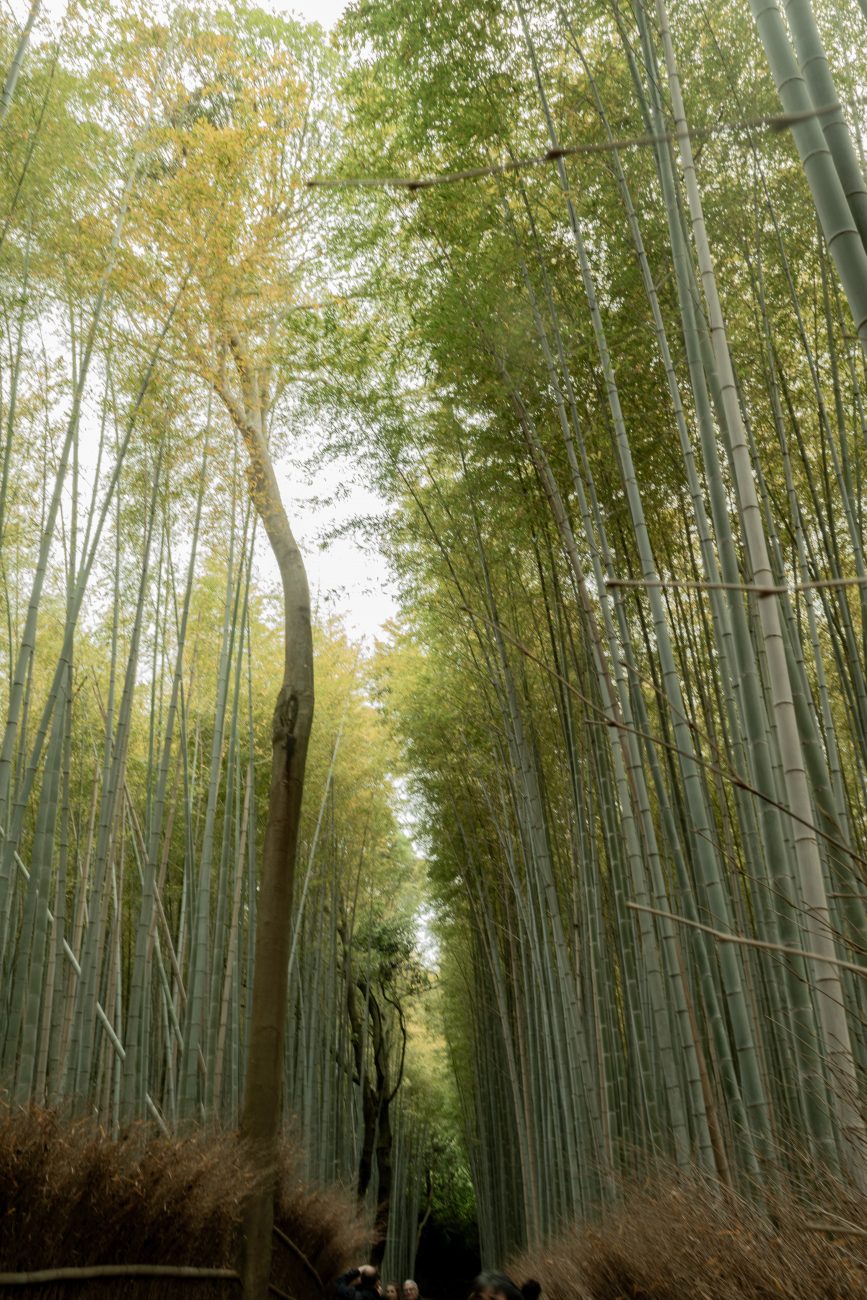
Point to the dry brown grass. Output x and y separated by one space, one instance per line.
71 1196
675 1238
323 1225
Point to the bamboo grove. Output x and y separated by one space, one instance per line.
149 192
630 539
611 387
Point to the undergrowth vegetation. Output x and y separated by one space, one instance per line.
73 1196
676 1238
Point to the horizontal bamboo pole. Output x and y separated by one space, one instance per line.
118 1270
753 588
767 122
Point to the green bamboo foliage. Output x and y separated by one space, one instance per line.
629 721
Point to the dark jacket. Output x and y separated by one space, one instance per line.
347 1290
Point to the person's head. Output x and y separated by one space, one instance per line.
370 1278
499 1286
410 1289
391 1292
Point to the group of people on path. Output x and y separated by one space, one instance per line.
364 1283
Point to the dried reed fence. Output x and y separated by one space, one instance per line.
680 1238
133 1208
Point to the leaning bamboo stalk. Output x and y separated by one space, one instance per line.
17 351
11 79
836 216
197 1016
673 967
110 818
26 648
27 997
234 943
744 941
90 551
754 1117
820 83
761 747
831 1008
231 812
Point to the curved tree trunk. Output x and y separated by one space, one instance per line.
293 716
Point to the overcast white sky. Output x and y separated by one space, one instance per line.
345 576
325 12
